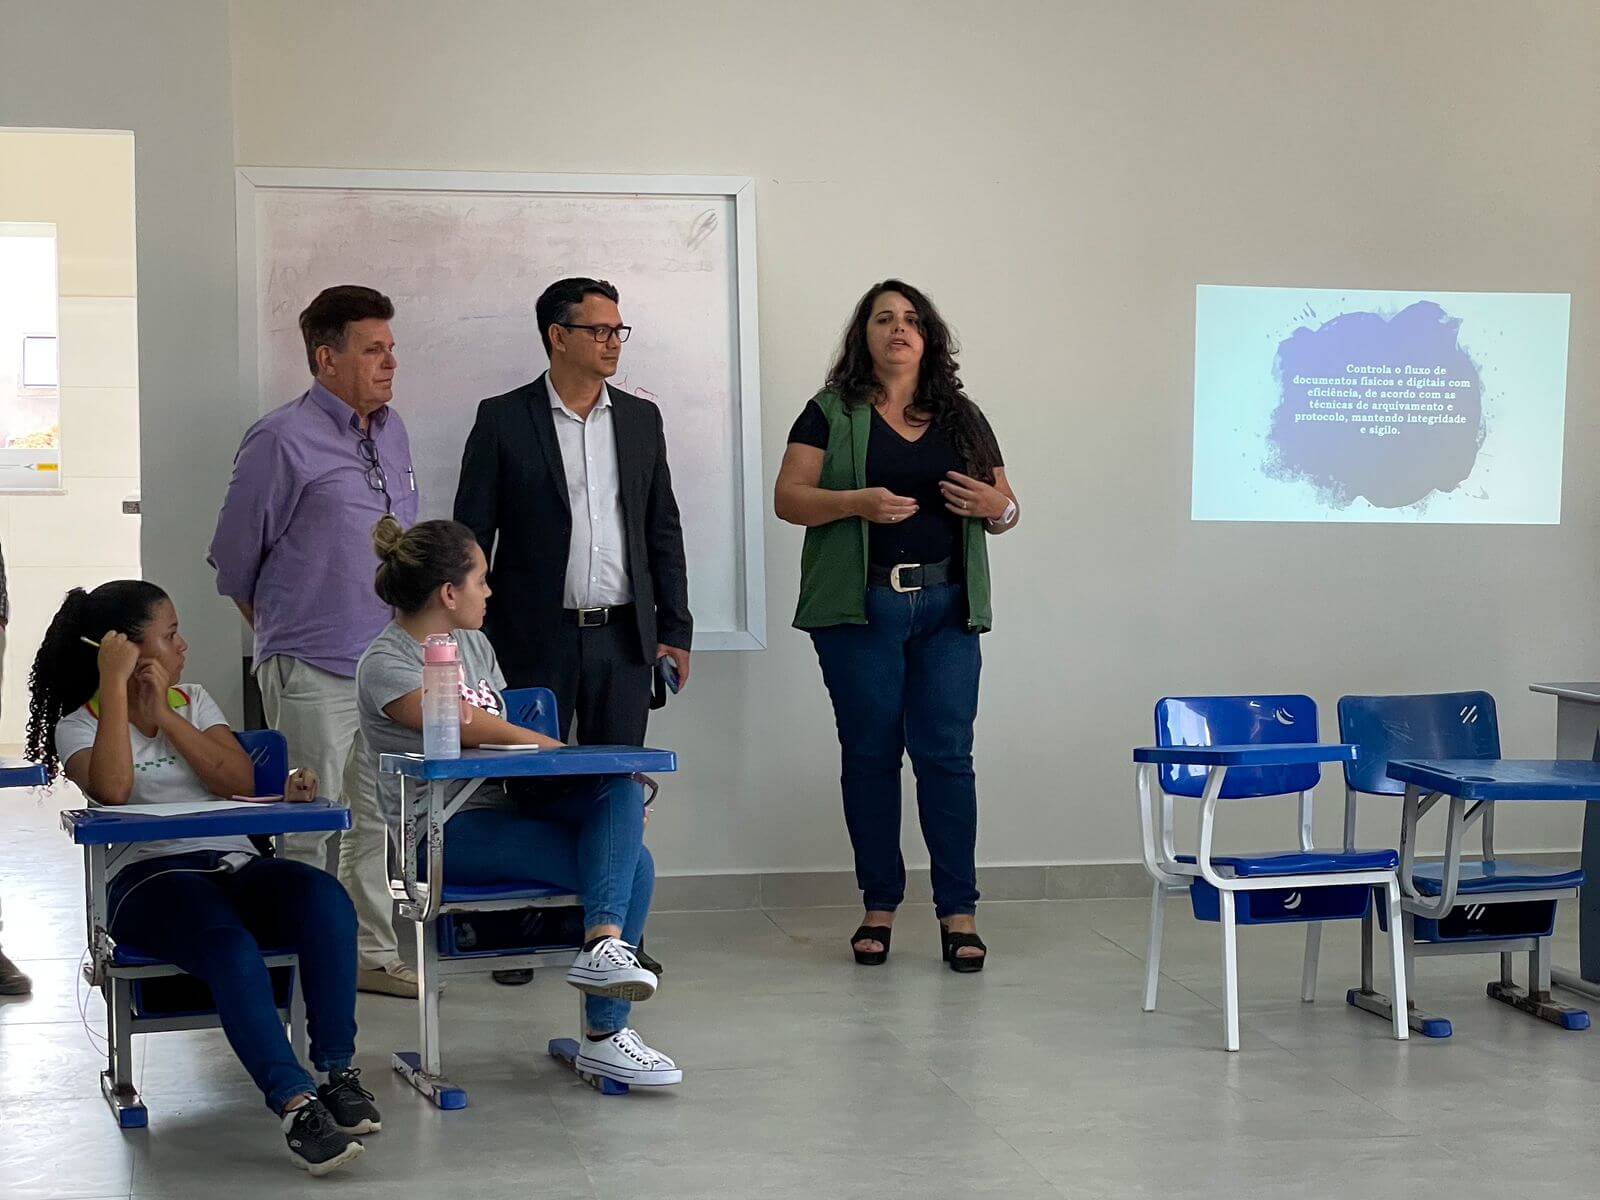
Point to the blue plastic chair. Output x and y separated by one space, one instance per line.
1302 886
1506 905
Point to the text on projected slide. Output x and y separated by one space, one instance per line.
1378 406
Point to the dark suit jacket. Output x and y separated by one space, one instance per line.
513 496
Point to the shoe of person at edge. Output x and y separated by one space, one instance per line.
12 981
392 979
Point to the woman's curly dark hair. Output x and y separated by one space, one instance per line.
939 396
66 672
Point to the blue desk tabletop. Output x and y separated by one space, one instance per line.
16 773
1250 755
1502 778
111 826
503 764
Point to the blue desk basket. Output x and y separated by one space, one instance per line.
1284 906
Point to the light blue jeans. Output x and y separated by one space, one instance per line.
586 835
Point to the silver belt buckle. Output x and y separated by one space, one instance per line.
894 577
584 614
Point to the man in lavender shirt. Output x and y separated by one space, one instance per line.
293 549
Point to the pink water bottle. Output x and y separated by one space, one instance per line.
441 697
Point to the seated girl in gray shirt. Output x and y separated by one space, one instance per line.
586 834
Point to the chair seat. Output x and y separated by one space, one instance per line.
460 893
132 956
1302 862
1502 875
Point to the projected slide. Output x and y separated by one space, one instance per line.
1323 405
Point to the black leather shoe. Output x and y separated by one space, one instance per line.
513 978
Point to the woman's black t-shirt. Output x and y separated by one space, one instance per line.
911 469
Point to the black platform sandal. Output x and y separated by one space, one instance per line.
872 933
962 964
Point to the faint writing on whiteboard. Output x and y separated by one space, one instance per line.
704 226
646 393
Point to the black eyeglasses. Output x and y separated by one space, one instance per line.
375 477
602 333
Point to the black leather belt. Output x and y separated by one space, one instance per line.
593 618
909 577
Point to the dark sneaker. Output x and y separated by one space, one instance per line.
645 961
316 1144
350 1104
513 978
12 981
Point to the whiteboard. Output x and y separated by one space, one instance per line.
464 255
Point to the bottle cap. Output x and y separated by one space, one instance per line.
441 648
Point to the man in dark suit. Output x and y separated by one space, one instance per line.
565 483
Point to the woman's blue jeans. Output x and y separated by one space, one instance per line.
908 681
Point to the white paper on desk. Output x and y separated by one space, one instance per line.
187 808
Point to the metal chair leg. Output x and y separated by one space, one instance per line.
1152 954
1308 975
116 1081
297 1017
1230 974
1399 984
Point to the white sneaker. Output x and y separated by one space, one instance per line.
625 1058
611 970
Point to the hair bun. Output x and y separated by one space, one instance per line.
386 536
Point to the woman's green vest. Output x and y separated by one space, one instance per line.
833 563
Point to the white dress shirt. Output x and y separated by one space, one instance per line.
597 555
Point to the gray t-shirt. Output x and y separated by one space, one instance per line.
392 668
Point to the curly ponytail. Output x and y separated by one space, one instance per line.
66 672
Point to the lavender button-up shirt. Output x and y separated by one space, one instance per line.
294 537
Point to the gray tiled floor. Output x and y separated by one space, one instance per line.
808 1076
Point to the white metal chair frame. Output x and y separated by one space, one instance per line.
1160 860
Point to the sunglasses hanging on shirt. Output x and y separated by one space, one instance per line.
374 472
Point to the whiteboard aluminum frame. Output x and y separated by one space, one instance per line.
248 181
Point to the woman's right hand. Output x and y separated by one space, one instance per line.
117 659
883 507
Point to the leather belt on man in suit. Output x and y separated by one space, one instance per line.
593 618
909 577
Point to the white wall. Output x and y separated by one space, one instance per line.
83 183
160 69
1058 176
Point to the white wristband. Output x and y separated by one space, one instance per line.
1005 518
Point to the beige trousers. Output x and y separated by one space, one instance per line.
316 711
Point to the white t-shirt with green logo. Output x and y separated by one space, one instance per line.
160 774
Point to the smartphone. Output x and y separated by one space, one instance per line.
669 673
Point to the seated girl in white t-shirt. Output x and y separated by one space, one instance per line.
126 729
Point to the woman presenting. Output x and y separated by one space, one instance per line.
898 479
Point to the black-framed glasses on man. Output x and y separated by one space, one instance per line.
376 480
602 333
